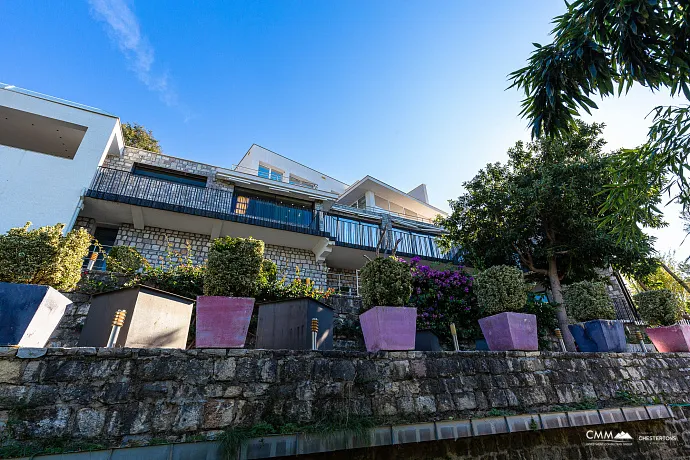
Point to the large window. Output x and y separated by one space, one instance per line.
170 175
273 208
269 172
294 180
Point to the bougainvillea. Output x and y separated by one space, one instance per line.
443 297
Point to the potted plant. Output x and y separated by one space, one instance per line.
663 309
231 281
502 293
596 331
386 286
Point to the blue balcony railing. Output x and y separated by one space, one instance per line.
125 187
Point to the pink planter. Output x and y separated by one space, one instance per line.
670 338
389 328
510 331
222 322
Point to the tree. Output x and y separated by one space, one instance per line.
137 136
602 47
671 275
538 211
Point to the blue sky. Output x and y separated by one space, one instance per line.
406 91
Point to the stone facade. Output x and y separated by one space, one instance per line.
344 281
133 155
117 396
162 247
287 259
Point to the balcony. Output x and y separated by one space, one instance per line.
124 187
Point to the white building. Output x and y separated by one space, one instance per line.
67 160
49 151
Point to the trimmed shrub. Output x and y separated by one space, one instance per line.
659 308
546 318
125 259
587 301
500 289
43 256
185 279
278 289
269 273
234 267
385 281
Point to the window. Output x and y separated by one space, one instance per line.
171 175
269 172
294 180
360 204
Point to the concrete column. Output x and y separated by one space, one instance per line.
369 197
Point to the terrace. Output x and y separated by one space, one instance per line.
360 230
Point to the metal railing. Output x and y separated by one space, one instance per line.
380 211
343 283
125 187
418 244
352 233
96 258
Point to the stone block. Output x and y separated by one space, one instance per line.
10 371
90 422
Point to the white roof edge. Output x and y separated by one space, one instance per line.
368 177
251 179
289 159
57 100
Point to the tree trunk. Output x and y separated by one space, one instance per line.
675 277
561 315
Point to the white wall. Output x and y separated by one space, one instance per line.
46 189
258 154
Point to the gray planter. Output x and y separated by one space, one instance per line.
286 324
29 314
155 319
426 340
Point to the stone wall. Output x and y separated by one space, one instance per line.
159 246
288 259
162 247
121 396
133 155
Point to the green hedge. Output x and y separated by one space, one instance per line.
43 256
587 301
125 259
385 281
234 267
500 289
659 308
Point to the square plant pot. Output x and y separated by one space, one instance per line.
389 328
599 335
510 331
426 340
286 324
669 339
222 322
29 314
155 319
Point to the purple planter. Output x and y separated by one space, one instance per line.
670 338
222 322
389 328
510 331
